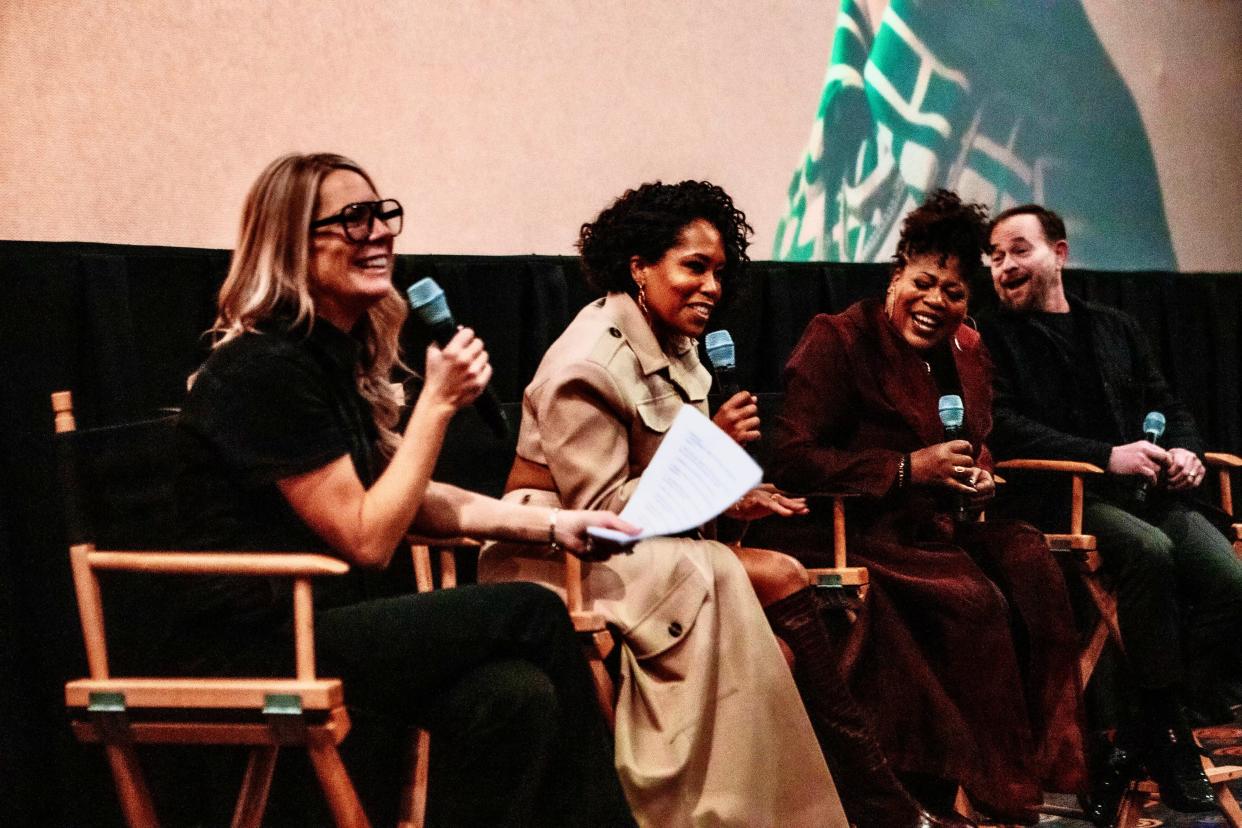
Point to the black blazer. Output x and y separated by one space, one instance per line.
1033 391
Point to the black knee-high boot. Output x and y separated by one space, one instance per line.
871 794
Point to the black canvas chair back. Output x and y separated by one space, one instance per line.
117 484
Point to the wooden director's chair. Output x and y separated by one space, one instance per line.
598 641
110 473
1225 465
1079 548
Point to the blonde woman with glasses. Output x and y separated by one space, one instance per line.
291 442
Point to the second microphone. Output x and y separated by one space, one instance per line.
432 310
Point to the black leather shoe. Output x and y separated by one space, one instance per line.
1175 765
1108 785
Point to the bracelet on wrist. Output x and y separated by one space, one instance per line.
552 542
903 472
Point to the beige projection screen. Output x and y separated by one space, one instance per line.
504 124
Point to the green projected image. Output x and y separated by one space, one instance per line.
1004 102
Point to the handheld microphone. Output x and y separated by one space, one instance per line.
1153 430
431 308
953 418
723 357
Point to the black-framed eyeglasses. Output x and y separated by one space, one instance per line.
358 219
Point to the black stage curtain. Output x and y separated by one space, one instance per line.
122 327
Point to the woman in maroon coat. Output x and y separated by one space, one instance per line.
969 655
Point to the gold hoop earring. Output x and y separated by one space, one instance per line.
642 300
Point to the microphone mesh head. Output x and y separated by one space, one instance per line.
427 300
1153 423
720 349
952 412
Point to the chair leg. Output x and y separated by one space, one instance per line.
963 805
256 785
1130 812
131 787
605 692
596 647
1106 603
1225 800
337 789
1228 805
414 792
1090 656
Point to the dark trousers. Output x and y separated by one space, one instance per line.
1179 588
496 674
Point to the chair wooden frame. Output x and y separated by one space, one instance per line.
264 713
840 578
840 575
1080 547
413 810
598 640
112 704
1225 465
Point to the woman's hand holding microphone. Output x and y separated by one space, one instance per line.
950 466
739 418
458 373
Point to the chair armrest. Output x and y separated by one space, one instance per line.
1225 464
1072 467
440 543
420 552
85 561
826 493
839 547
295 564
1064 466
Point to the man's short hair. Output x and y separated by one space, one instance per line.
1054 227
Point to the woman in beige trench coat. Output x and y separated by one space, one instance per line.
710 726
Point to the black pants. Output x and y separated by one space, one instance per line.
1179 588
494 672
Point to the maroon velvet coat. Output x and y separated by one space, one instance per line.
969 655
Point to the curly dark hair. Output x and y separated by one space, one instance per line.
945 225
648 221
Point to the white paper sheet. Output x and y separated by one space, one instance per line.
697 473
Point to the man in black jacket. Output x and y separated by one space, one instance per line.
1073 382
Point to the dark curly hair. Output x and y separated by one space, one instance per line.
944 225
648 221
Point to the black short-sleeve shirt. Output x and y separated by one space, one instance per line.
266 406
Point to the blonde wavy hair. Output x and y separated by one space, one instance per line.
270 273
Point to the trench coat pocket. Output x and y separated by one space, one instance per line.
669 621
658 413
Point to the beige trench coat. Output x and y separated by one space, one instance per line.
710 728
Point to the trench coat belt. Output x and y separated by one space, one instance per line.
527 474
